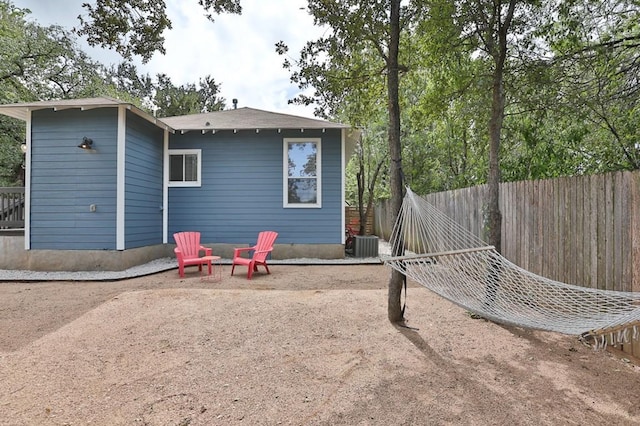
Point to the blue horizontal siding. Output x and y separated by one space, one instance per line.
241 192
143 183
66 180
242 189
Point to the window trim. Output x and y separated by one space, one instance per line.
183 152
285 173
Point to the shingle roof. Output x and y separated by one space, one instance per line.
247 118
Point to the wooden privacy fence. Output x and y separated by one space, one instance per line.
352 218
11 207
581 230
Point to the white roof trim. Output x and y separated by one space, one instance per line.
234 120
23 110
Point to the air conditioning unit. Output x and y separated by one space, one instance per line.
365 246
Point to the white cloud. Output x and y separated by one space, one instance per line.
238 51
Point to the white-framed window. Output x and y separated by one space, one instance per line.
185 167
302 177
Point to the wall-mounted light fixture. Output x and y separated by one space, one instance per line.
86 143
23 148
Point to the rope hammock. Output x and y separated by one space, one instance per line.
452 262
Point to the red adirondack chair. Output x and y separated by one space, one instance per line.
261 250
188 251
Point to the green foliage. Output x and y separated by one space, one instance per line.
369 153
11 158
22 47
348 64
135 27
170 100
571 92
592 89
217 7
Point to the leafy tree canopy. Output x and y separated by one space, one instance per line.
135 27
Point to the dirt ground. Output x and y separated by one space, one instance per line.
306 345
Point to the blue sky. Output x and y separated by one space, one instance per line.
238 51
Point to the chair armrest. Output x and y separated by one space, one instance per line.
237 251
207 250
178 253
265 250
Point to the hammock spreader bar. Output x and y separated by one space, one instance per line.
436 254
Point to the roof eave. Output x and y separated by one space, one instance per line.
22 112
185 129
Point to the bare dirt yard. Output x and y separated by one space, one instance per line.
306 345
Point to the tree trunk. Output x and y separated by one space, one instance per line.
371 187
360 178
499 53
394 308
494 216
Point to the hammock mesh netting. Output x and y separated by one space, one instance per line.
452 262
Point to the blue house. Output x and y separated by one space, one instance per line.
107 184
